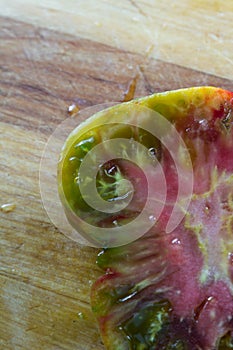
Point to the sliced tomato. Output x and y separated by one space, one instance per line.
175 291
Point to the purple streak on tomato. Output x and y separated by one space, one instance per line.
175 291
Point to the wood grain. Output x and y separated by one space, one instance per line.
195 34
45 278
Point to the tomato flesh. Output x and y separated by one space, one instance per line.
175 291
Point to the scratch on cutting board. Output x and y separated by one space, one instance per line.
135 5
146 81
132 85
146 25
142 66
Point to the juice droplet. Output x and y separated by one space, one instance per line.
153 153
152 218
176 241
7 208
81 315
130 91
72 109
115 223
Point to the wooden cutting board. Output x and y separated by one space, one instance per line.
55 54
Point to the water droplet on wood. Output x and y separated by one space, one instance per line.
73 109
8 207
81 315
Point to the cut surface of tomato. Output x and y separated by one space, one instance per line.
174 290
